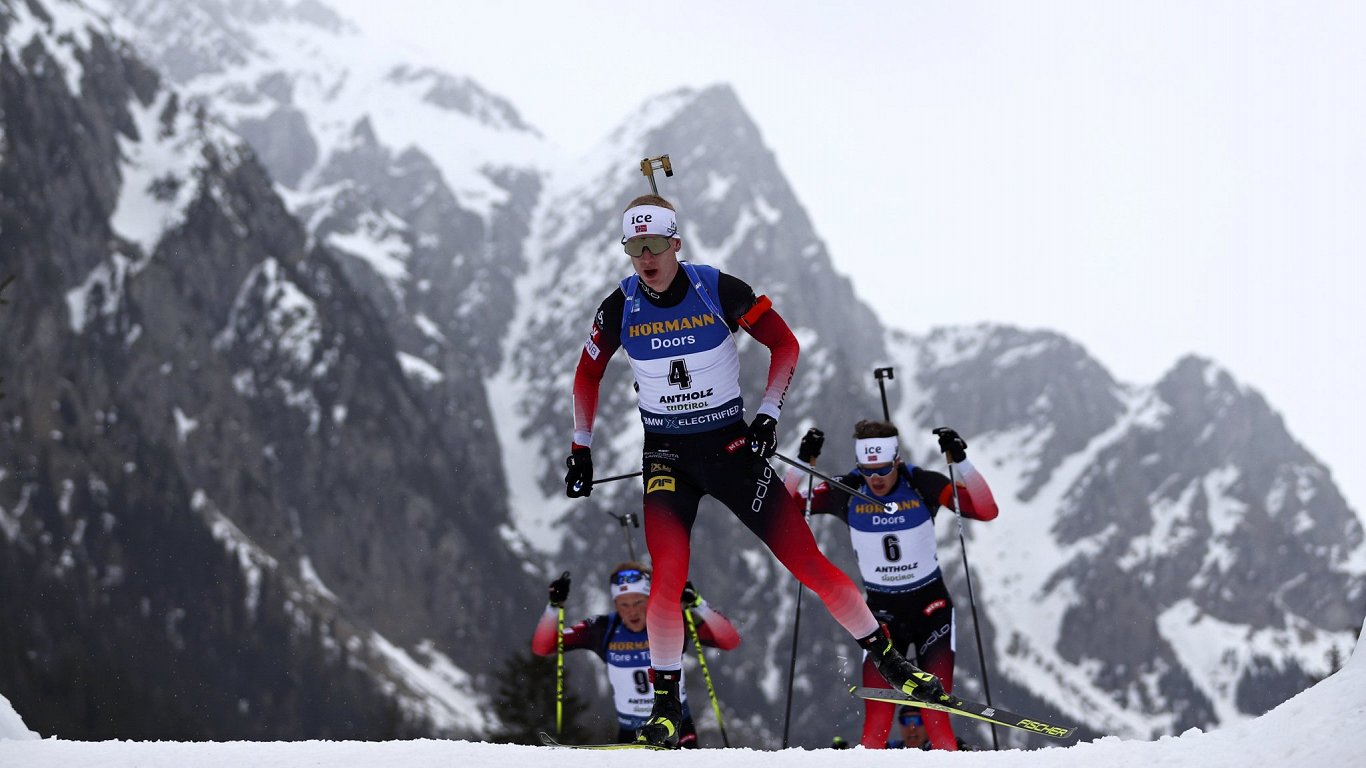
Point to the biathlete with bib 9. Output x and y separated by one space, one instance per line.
619 639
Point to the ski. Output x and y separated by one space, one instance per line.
550 741
973 709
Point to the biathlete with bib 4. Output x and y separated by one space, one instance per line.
676 323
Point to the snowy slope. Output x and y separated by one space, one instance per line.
1320 727
11 725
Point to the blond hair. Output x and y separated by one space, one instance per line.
649 200
629 565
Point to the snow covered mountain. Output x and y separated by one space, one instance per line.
1170 556
228 505
366 402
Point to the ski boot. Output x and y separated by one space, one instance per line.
661 730
902 674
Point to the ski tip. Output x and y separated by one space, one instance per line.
1046 729
550 741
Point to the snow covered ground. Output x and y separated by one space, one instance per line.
1321 727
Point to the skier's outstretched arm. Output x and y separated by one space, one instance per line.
973 493
598 348
768 328
578 636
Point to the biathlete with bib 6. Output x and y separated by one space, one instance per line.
897 553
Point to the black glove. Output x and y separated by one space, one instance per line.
763 436
578 481
952 445
812 442
559 590
690 597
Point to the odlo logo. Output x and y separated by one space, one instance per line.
663 483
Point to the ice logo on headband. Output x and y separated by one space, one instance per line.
649 220
876 450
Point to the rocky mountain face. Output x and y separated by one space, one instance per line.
304 427
1168 556
228 509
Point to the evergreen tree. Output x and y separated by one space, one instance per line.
525 702
1335 660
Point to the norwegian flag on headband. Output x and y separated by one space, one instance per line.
642 227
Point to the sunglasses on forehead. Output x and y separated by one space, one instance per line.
628 576
656 244
879 472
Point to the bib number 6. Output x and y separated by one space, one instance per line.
891 547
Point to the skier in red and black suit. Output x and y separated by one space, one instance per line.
676 322
619 639
897 553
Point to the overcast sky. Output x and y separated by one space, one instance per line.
1150 178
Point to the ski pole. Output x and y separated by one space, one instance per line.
559 666
887 505
796 625
617 477
880 374
627 520
706 675
972 602
578 485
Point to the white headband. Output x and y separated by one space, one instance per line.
876 450
638 587
648 220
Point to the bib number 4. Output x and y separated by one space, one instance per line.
678 374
